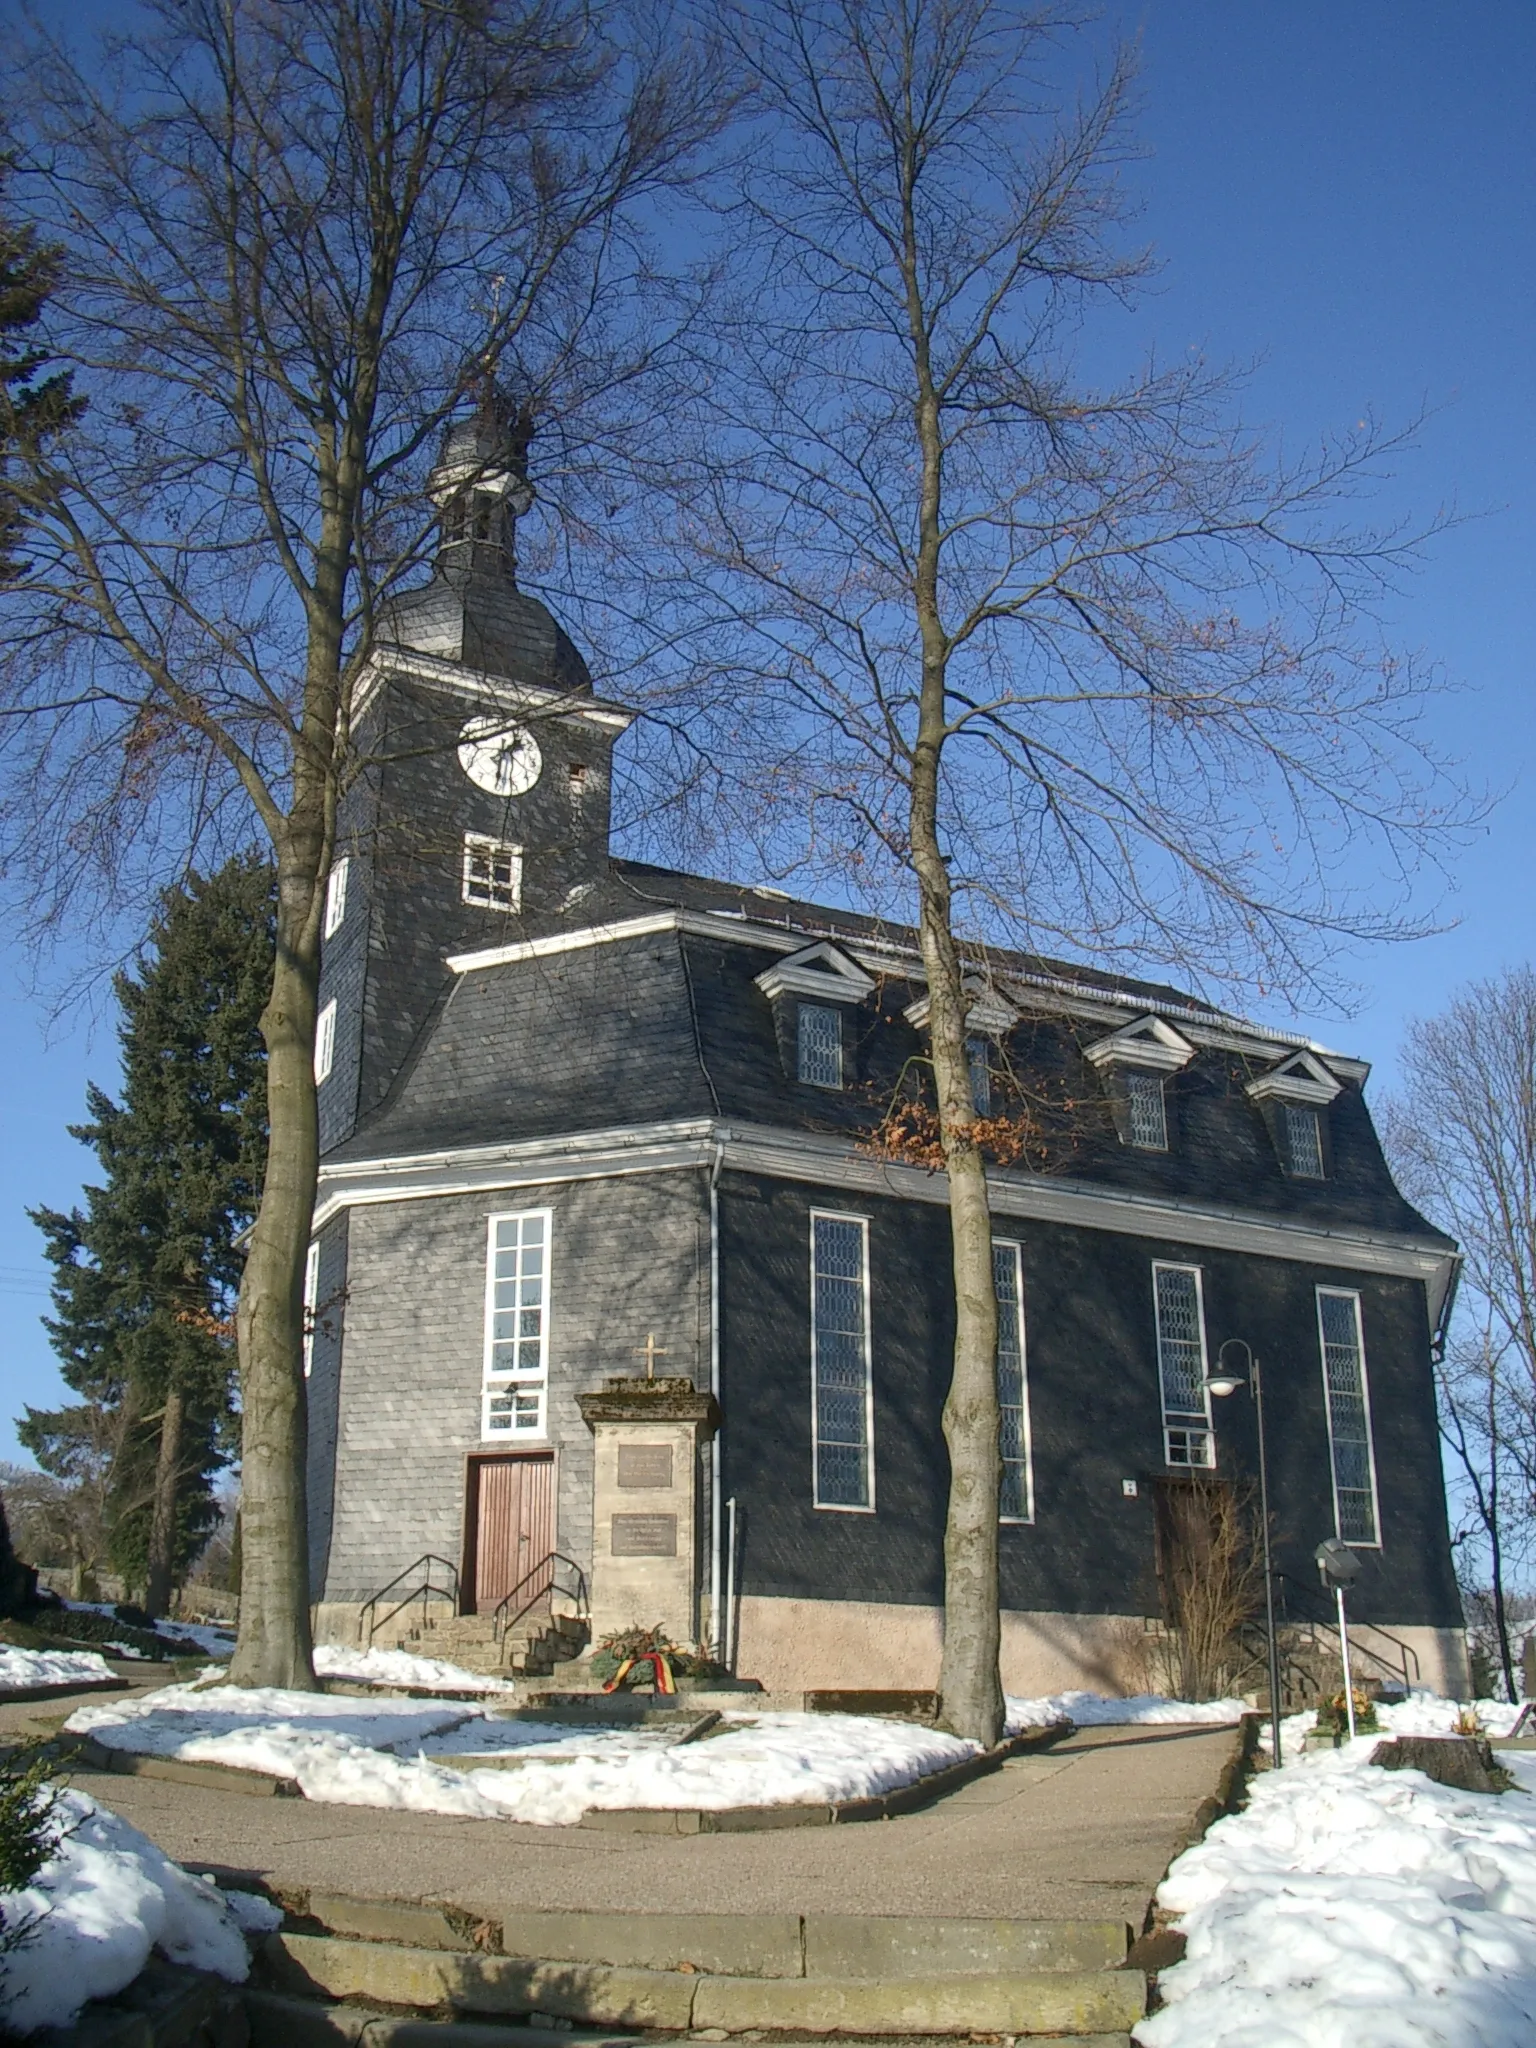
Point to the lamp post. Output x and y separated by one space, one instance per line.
1340 1568
1220 1383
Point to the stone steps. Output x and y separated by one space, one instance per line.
719 1974
533 1648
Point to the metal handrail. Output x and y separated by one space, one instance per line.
1406 1652
503 1623
428 1558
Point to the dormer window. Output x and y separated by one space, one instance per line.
989 1018
1135 1063
812 991
1303 1142
820 1045
1294 1099
1148 1118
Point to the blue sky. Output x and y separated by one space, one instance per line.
1344 192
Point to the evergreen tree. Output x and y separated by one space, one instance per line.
145 1277
34 402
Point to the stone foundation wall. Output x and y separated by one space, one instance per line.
792 1645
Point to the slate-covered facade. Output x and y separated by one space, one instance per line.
643 1101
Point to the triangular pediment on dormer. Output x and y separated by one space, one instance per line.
1150 1042
823 972
988 1015
1301 1078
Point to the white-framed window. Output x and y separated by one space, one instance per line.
842 1399
819 1045
1148 1111
493 872
516 1323
978 1054
1180 1304
1348 1395
1303 1141
1016 1489
336 896
325 1041
311 1298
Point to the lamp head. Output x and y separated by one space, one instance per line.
1219 1383
1337 1562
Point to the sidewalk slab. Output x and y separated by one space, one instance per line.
1087 1835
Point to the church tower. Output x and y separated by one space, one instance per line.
480 812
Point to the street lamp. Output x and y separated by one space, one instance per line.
1221 1382
1340 1568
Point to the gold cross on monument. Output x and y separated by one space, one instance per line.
650 1351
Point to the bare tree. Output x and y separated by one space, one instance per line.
293 238
1461 1133
1021 659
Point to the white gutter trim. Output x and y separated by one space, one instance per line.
696 1144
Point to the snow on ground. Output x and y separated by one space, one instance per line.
1351 1907
437 1756
1096 1710
399 1667
105 1898
208 1638
1422 1713
756 1760
51 1667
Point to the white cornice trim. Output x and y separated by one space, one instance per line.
1149 1042
1302 1078
390 658
807 1157
822 970
988 1013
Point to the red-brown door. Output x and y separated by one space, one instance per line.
512 1511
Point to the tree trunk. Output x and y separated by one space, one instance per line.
275 1646
161 1560
969 1682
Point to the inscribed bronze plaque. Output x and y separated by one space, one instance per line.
645 1465
644 1536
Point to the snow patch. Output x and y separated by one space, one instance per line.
355 1752
399 1667
105 1898
1351 1907
1097 1710
20 1668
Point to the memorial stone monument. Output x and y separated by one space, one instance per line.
647 1433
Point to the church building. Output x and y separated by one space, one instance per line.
614 1292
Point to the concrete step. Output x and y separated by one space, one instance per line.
1062 2001
817 1944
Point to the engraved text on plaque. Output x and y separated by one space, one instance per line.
645 1465
644 1536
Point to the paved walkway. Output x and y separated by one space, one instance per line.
1084 1830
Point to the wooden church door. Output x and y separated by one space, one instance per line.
511 1525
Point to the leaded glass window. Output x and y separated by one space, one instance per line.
978 1055
1304 1141
1187 1438
1349 1415
1016 1493
840 1380
517 1323
820 1058
1149 1112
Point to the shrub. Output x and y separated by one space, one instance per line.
30 1832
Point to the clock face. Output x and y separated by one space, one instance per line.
500 758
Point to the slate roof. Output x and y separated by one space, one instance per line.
669 1026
